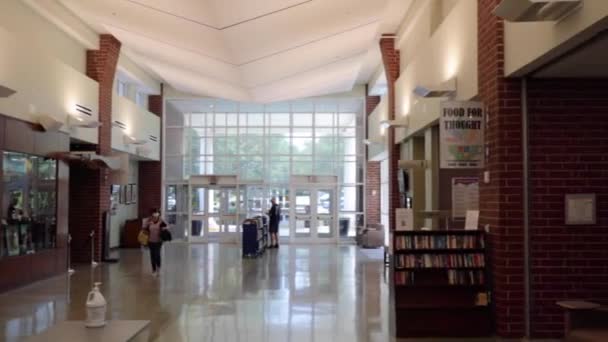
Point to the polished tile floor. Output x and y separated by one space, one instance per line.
208 293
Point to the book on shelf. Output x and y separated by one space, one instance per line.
440 260
454 277
439 242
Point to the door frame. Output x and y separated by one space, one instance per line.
214 182
314 184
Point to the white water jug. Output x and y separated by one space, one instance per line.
96 308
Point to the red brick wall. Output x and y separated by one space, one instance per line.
391 61
372 180
372 183
568 154
90 189
501 205
371 102
150 172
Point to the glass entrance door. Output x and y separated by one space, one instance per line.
198 213
315 215
214 213
325 213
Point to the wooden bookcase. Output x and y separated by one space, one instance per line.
440 284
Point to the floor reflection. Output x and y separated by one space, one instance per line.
208 293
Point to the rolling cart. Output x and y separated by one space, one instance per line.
255 236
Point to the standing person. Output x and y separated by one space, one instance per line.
274 215
154 226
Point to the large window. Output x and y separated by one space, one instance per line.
266 144
29 204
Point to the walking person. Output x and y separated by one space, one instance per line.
274 217
154 226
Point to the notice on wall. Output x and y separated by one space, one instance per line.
404 219
465 196
580 209
461 135
471 222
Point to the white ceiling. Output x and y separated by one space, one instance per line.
261 51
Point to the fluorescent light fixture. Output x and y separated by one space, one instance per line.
536 10
49 123
445 89
80 122
129 140
402 122
6 91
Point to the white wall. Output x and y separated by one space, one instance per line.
429 60
44 37
44 84
529 45
124 212
375 132
140 124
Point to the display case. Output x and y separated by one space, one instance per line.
29 222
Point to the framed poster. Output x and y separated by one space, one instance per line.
124 191
133 198
121 195
461 129
128 194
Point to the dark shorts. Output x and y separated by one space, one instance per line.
273 228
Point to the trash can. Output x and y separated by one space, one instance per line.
344 225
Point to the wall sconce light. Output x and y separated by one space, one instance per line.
143 150
372 142
80 122
6 91
536 10
129 140
49 123
401 122
445 89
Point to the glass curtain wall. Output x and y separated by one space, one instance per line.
265 145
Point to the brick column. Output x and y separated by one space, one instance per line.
391 60
90 189
150 172
501 202
372 175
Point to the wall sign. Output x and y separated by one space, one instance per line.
404 218
465 196
461 135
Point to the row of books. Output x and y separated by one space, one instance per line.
466 277
455 277
439 242
439 260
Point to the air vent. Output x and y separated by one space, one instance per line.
119 124
153 138
84 110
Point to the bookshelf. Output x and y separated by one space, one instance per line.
440 284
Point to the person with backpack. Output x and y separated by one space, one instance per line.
274 217
157 231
